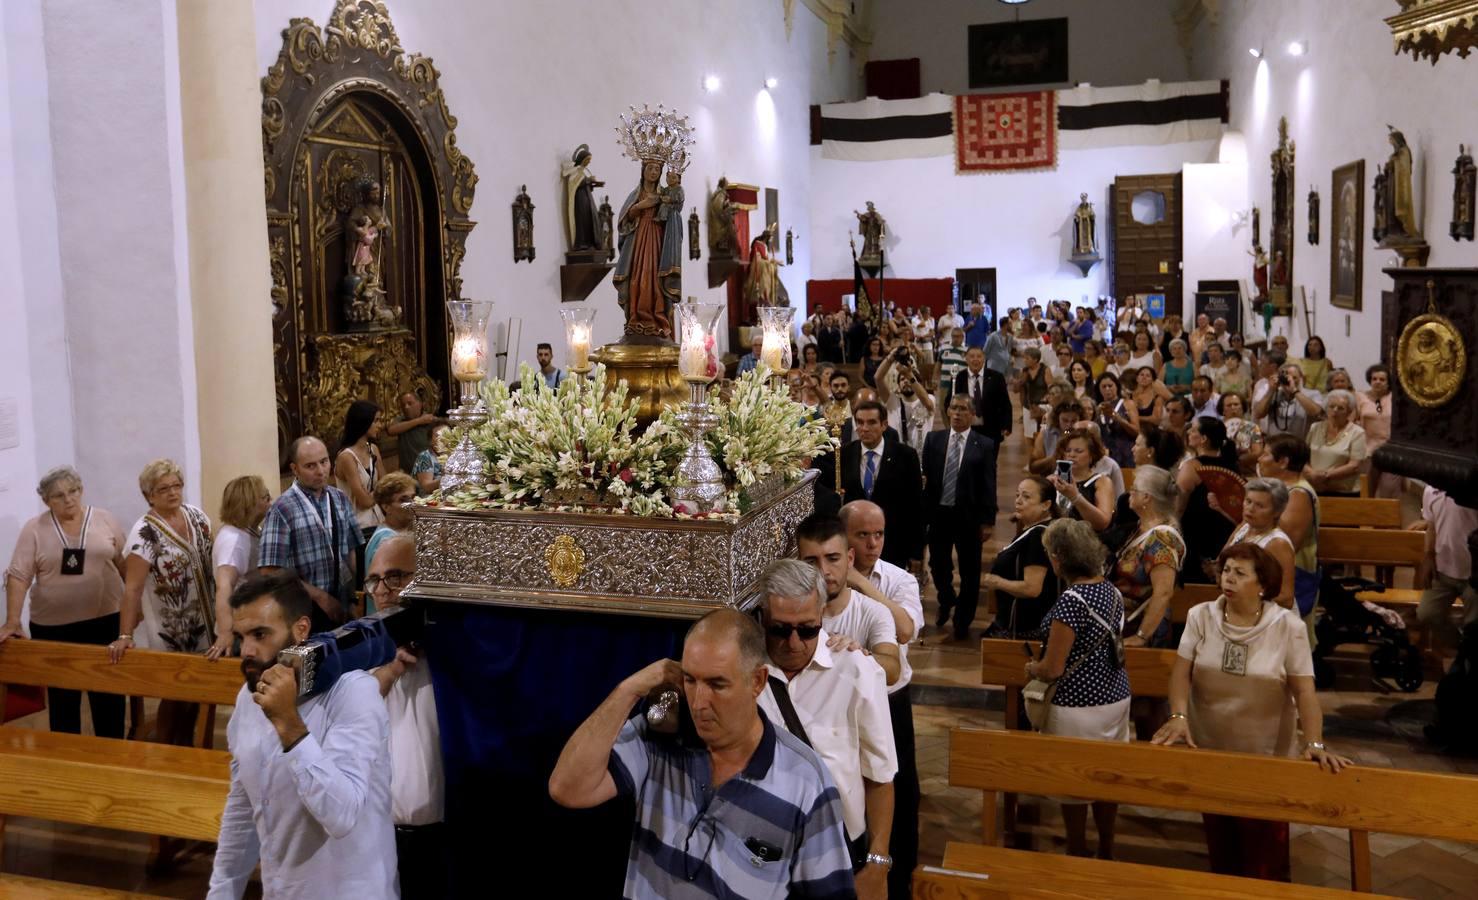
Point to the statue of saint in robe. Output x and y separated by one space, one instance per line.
637 277
670 214
1083 227
723 241
1400 208
762 286
871 226
582 224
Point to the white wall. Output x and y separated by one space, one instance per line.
1109 41
1019 223
1338 100
1213 239
529 82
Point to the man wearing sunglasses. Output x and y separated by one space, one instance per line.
838 703
417 783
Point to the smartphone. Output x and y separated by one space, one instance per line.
1065 469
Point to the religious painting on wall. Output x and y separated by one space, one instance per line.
1012 53
1347 222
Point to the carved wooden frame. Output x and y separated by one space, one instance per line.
358 51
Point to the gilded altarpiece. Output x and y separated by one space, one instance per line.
344 107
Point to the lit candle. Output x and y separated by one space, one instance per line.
772 352
580 346
693 363
469 362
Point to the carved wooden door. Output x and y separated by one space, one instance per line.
1146 237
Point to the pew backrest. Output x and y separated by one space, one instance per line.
1003 662
1371 547
141 673
1359 512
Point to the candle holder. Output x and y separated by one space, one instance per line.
775 351
579 324
700 481
465 466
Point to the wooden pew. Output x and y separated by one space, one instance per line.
1361 512
1003 662
972 870
1189 595
153 789
1371 547
1361 799
20 887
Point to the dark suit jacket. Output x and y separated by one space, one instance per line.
898 488
994 405
826 464
975 485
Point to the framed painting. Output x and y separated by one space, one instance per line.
1347 222
1003 54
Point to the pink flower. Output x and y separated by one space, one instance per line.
624 475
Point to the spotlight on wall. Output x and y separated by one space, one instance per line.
772 83
1298 48
711 83
1255 51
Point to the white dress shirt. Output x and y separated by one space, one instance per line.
318 816
842 702
902 588
417 783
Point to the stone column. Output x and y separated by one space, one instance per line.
230 269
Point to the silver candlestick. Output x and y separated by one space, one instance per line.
700 481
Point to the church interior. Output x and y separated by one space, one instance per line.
875 435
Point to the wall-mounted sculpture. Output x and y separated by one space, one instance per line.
1280 271
872 226
367 198
694 252
723 236
523 225
1085 240
1396 224
587 228
789 247
1313 215
1465 178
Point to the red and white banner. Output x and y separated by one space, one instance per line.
1005 132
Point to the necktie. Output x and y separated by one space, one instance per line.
870 472
975 386
952 469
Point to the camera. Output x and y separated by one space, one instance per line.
903 357
1282 379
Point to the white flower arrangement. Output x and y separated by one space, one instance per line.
576 448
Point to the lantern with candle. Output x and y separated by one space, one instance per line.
775 350
579 326
700 482
469 321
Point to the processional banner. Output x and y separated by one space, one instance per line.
1005 132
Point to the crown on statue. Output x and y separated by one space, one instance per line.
655 135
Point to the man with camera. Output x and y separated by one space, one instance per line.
734 805
310 781
910 408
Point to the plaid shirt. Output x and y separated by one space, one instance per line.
293 537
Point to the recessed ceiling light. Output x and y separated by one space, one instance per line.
712 83
1298 48
772 83
1255 51
1015 2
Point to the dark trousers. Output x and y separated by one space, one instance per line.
955 529
421 857
1251 848
903 844
65 707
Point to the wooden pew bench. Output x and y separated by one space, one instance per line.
1019 873
1361 799
1359 512
20 887
148 788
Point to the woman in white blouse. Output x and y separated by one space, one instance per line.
244 504
1243 667
1336 447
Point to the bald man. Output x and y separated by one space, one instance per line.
310 529
743 781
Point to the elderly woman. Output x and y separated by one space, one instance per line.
1340 380
1088 492
1092 691
71 560
1022 578
1262 504
1243 667
1147 566
1179 371
168 586
392 495
1336 448
1242 432
1285 458
427 469
244 504
1119 366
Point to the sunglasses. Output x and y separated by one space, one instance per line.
782 630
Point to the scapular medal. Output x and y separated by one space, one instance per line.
1234 658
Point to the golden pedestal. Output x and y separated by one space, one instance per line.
650 373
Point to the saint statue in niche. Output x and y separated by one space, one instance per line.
582 226
366 229
638 279
1395 192
1464 177
871 226
1083 228
723 241
523 225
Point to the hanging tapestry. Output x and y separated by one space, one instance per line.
1005 132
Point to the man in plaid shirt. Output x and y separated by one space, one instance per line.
311 530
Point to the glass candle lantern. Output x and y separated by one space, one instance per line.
579 326
697 331
775 349
469 321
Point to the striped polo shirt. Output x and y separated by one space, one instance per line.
772 831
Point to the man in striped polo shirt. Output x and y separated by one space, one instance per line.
739 808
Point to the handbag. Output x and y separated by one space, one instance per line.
1038 693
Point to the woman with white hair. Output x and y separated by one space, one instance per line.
1336 448
1262 507
1091 696
70 559
1147 566
1179 370
169 587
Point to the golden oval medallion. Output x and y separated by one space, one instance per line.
1431 360
565 559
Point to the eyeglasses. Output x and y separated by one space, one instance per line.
392 580
782 630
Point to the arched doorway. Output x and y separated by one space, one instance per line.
344 107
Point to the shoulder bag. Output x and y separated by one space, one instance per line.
1038 693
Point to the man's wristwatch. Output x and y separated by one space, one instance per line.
884 861
1314 745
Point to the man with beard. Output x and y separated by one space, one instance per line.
310 782
851 617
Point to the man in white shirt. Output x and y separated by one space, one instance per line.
834 702
417 781
310 781
898 591
1204 398
821 542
